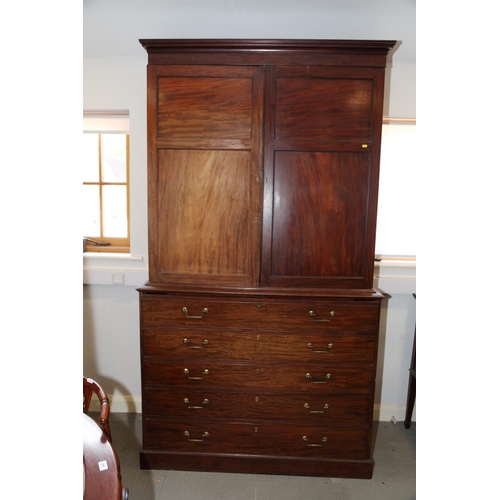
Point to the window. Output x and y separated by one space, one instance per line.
106 182
397 201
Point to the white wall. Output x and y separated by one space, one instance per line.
114 69
120 84
111 343
397 327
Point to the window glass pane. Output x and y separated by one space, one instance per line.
91 212
90 158
114 157
114 206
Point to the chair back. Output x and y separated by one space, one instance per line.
91 387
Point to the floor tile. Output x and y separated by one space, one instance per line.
208 486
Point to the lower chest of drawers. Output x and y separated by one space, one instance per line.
285 392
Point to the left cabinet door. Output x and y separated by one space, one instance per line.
205 174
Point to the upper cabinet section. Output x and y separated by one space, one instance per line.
263 161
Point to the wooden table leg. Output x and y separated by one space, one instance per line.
412 382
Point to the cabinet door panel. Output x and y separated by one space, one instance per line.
319 217
204 196
332 109
192 107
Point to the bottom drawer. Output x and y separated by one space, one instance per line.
255 438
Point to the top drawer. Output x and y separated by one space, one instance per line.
164 311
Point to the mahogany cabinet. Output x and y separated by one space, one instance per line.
259 322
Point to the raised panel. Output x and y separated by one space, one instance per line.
319 216
333 109
215 107
204 197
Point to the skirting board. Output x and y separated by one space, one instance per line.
120 404
392 413
132 404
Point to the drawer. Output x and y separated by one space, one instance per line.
322 315
307 346
277 377
329 409
255 438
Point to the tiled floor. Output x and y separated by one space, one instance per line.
393 479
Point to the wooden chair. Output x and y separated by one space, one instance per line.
100 483
91 387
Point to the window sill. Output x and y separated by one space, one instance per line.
110 268
393 275
106 249
112 255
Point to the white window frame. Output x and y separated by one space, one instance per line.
106 122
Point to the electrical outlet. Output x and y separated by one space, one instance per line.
118 278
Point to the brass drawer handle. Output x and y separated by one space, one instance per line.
306 439
186 343
327 377
328 347
203 311
307 406
203 436
313 314
204 372
204 402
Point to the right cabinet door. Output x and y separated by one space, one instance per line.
322 149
